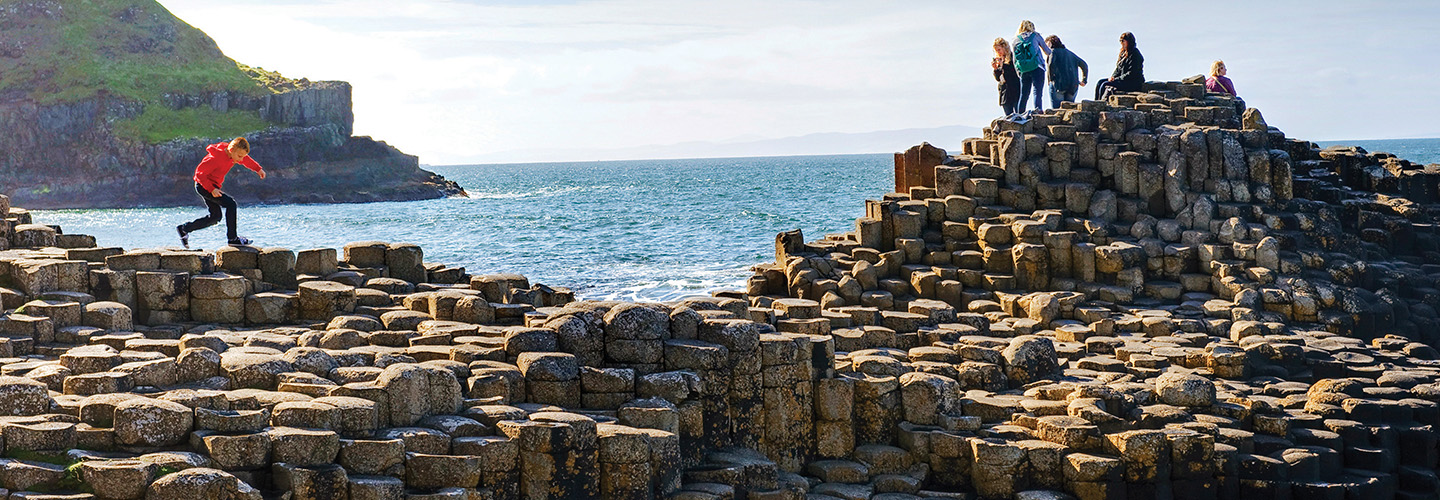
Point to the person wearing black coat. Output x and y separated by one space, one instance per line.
1129 75
1067 72
1009 81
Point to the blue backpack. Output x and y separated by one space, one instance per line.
1027 58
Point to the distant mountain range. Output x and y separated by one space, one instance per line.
884 141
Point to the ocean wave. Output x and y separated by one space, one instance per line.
665 291
534 193
648 231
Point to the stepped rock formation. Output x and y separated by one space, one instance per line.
1157 296
59 145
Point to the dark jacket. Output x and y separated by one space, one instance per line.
1009 84
1129 75
1062 70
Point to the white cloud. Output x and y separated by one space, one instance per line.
452 80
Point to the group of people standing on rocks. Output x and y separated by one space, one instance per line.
1024 66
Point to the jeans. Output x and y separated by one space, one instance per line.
1033 79
214 204
1101 88
1009 108
1057 97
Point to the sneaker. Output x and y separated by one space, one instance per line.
241 241
184 236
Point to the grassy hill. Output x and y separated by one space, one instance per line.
56 51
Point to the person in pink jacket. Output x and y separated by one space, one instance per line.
1217 82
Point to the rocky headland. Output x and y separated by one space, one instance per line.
1156 296
111 104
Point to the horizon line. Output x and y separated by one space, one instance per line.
645 159
541 162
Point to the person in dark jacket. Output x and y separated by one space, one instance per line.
1003 66
1129 75
1065 81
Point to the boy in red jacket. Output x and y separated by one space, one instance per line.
209 176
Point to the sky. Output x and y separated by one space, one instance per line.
468 81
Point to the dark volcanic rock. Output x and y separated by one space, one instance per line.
70 132
65 156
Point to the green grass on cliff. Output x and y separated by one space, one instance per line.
159 124
135 49
128 48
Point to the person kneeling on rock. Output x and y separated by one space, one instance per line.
209 176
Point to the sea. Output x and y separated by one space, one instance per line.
644 230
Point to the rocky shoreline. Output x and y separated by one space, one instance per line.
1158 296
111 104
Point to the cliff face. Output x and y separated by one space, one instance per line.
117 135
66 155
316 103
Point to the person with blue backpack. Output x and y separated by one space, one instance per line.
1030 52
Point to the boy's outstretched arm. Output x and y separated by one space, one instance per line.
250 164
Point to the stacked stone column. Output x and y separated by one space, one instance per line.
164 297
788 403
743 419
625 471
707 416
559 455
218 298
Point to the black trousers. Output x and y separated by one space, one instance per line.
1102 88
214 204
1106 86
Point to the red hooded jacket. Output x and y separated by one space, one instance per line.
210 173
